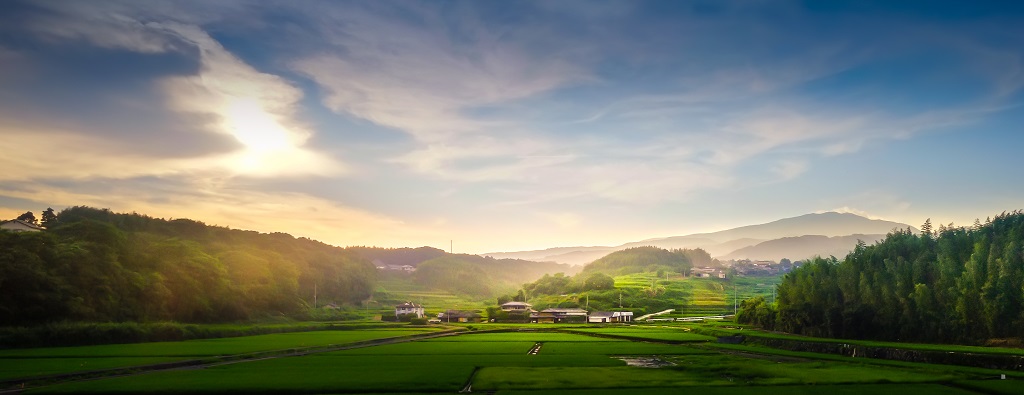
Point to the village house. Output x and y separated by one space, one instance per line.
599 317
558 315
459 316
17 225
516 307
409 308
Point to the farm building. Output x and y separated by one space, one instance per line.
610 316
516 306
557 315
409 308
17 225
459 316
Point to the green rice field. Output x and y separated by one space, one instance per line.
568 360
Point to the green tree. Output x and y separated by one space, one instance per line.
599 281
49 218
27 217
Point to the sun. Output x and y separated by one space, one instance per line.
258 130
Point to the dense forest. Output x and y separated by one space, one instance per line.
481 276
956 284
398 256
96 265
650 259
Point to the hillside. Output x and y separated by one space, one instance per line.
724 243
954 285
481 276
801 247
642 259
95 265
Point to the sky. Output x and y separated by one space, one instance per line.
490 126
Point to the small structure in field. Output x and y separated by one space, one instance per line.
598 317
409 308
459 316
559 315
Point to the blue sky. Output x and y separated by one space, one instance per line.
512 125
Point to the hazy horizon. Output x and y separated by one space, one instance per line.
511 126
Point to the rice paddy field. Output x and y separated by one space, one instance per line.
525 360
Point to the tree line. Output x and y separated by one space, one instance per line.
96 265
954 284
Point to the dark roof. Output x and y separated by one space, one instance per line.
517 304
408 305
606 314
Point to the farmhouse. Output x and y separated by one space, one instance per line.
610 316
17 225
409 308
516 306
459 316
554 316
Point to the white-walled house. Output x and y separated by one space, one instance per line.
409 308
17 225
598 317
516 306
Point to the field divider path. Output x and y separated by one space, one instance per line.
15 386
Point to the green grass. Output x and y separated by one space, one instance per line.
31 367
616 348
20 363
993 386
719 331
649 333
705 370
566 361
442 348
533 336
213 347
850 389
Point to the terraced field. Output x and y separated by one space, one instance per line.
570 360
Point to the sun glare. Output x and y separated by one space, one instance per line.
259 131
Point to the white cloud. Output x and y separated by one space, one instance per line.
256 108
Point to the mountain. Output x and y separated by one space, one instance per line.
724 243
825 224
803 247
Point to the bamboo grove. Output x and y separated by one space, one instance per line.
956 284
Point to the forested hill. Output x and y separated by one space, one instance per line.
95 265
650 259
954 285
482 276
398 256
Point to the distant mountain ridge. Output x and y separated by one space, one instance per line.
727 243
803 247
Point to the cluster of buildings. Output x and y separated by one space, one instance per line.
746 267
380 265
545 316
